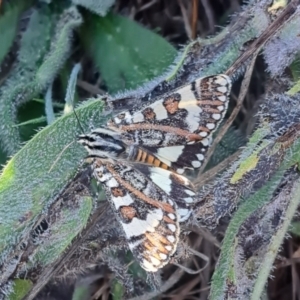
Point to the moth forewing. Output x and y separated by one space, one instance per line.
186 116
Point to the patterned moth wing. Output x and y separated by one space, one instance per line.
149 202
177 128
174 185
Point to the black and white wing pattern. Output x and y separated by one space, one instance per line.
148 214
148 201
170 126
136 155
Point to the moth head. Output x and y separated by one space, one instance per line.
102 143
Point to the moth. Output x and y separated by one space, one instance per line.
140 157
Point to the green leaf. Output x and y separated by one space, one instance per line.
36 68
117 290
294 89
96 6
37 173
224 270
70 222
8 24
81 292
276 242
42 101
21 288
126 54
71 88
60 46
33 121
295 70
3 158
295 228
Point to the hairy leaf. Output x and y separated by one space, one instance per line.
96 6
36 174
35 70
280 52
8 25
20 289
126 53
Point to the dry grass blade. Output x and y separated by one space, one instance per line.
92 89
167 285
194 18
206 177
210 15
185 290
186 19
265 36
198 254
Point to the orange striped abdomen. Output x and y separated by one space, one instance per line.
145 157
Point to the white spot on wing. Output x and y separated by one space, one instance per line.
189 192
161 178
138 227
138 117
180 171
128 117
196 164
188 200
170 202
210 126
155 261
163 256
117 120
183 213
171 216
159 110
148 266
223 80
121 201
112 183
170 153
200 156
172 227
222 89
216 116
171 238
190 103
205 142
